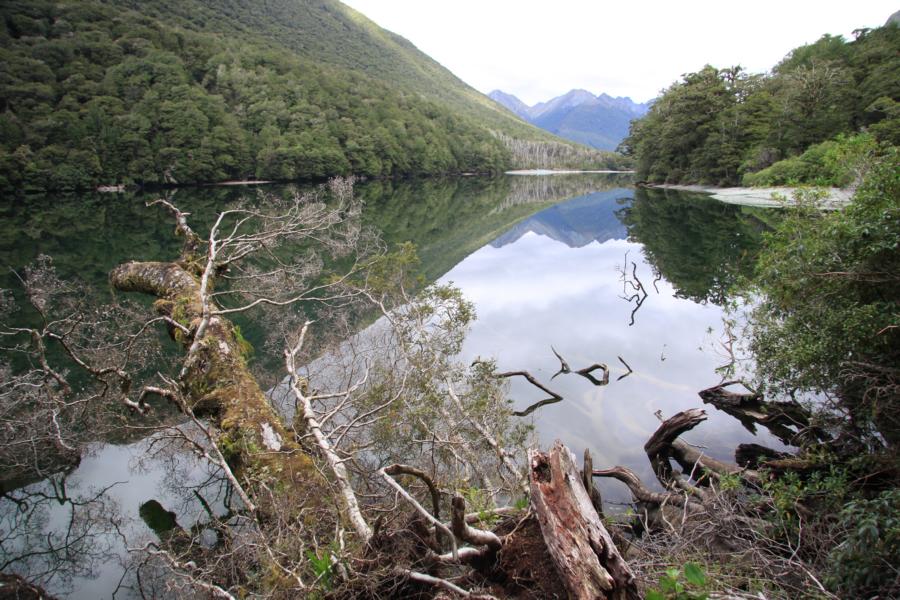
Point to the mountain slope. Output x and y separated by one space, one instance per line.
164 92
331 33
597 121
519 108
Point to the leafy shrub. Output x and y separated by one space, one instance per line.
839 162
864 563
681 584
830 301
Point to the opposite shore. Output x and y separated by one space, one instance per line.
833 199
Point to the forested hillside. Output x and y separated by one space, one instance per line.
820 107
163 92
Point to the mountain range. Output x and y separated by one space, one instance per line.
597 121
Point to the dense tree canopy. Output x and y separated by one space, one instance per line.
93 93
718 126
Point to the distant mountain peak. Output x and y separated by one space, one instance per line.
512 103
600 121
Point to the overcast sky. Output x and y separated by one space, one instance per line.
538 49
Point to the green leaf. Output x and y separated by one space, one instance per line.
694 574
654 595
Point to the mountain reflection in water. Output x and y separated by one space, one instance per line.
554 279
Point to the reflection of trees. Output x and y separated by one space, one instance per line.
52 536
450 219
418 407
698 244
527 189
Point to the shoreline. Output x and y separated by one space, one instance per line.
765 197
558 172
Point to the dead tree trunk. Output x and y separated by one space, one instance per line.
664 445
788 421
217 382
582 550
659 446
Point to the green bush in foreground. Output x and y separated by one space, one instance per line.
829 315
863 564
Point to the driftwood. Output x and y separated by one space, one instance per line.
682 498
587 478
627 366
399 469
585 557
788 421
754 455
659 446
586 372
553 399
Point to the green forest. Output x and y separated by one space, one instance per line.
100 93
305 454
813 119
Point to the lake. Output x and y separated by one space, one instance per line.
552 264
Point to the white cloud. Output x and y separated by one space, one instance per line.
538 50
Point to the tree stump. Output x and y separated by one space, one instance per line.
582 550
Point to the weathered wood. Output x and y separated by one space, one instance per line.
587 478
553 399
217 382
399 469
659 446
787 420
582 550
700 466
754 455
466 533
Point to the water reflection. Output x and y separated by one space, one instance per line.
555 280
539 278
699 244
577 222
110 503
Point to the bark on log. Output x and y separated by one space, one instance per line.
582 550
664 444
587 478
754 455
218 383
693 461
659 446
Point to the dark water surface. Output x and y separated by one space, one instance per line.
542 259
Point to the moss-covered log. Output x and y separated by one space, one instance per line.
216 381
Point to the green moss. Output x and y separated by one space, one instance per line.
245 348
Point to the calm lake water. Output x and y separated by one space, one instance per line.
542 258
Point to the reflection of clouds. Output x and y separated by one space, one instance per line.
536 292
133 476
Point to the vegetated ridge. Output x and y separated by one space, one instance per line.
164 92
598 121
814 119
